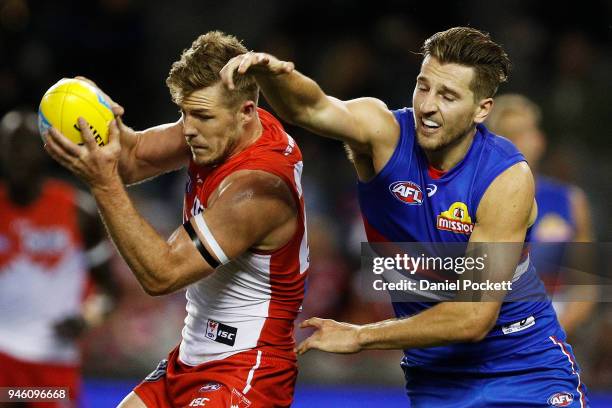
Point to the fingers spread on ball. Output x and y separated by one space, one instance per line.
88 137
54 137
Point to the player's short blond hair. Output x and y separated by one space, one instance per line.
199 68
511 104
472 48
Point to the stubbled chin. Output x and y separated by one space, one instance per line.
427 141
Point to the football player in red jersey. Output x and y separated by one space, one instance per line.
241 252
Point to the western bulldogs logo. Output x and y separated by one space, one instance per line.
407 192
560 399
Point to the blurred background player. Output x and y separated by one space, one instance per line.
52 246
563 210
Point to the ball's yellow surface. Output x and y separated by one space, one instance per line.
69 99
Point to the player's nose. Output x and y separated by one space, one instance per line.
189 130
428 104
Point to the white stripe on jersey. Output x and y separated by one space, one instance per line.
571 361
304 251
521 269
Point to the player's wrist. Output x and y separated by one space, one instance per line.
363 336
111 184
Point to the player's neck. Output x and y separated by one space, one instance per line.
251 133
449 156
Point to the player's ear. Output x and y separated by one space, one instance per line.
483 109
248 111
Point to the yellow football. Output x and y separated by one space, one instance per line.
69 99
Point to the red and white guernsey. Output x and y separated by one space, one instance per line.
43 274
252 301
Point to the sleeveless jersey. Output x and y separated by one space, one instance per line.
405 203
252 301
43 274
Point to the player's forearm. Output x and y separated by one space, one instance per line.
145 252
443 324
292 95
151 152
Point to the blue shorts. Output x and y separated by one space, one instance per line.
545 375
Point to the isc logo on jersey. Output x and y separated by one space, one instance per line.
221 333
457 219
560 399
407 192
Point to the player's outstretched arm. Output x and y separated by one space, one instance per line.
502 217
148 153
363 123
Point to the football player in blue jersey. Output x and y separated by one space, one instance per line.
563 209
456 354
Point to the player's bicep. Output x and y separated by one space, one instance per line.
247 210
359 122
502 221
503 214
251 206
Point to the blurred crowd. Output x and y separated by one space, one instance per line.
352 49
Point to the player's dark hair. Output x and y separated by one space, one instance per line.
200 64
470 47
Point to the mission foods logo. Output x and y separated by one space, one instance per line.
456 219
407 192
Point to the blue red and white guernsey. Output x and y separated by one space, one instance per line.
554 226
524 360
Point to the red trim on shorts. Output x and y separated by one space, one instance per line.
223 382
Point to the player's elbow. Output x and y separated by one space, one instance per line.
159 282
156 287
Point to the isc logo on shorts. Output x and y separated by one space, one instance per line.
221 333
560 399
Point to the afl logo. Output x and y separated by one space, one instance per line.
560 399
407 192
